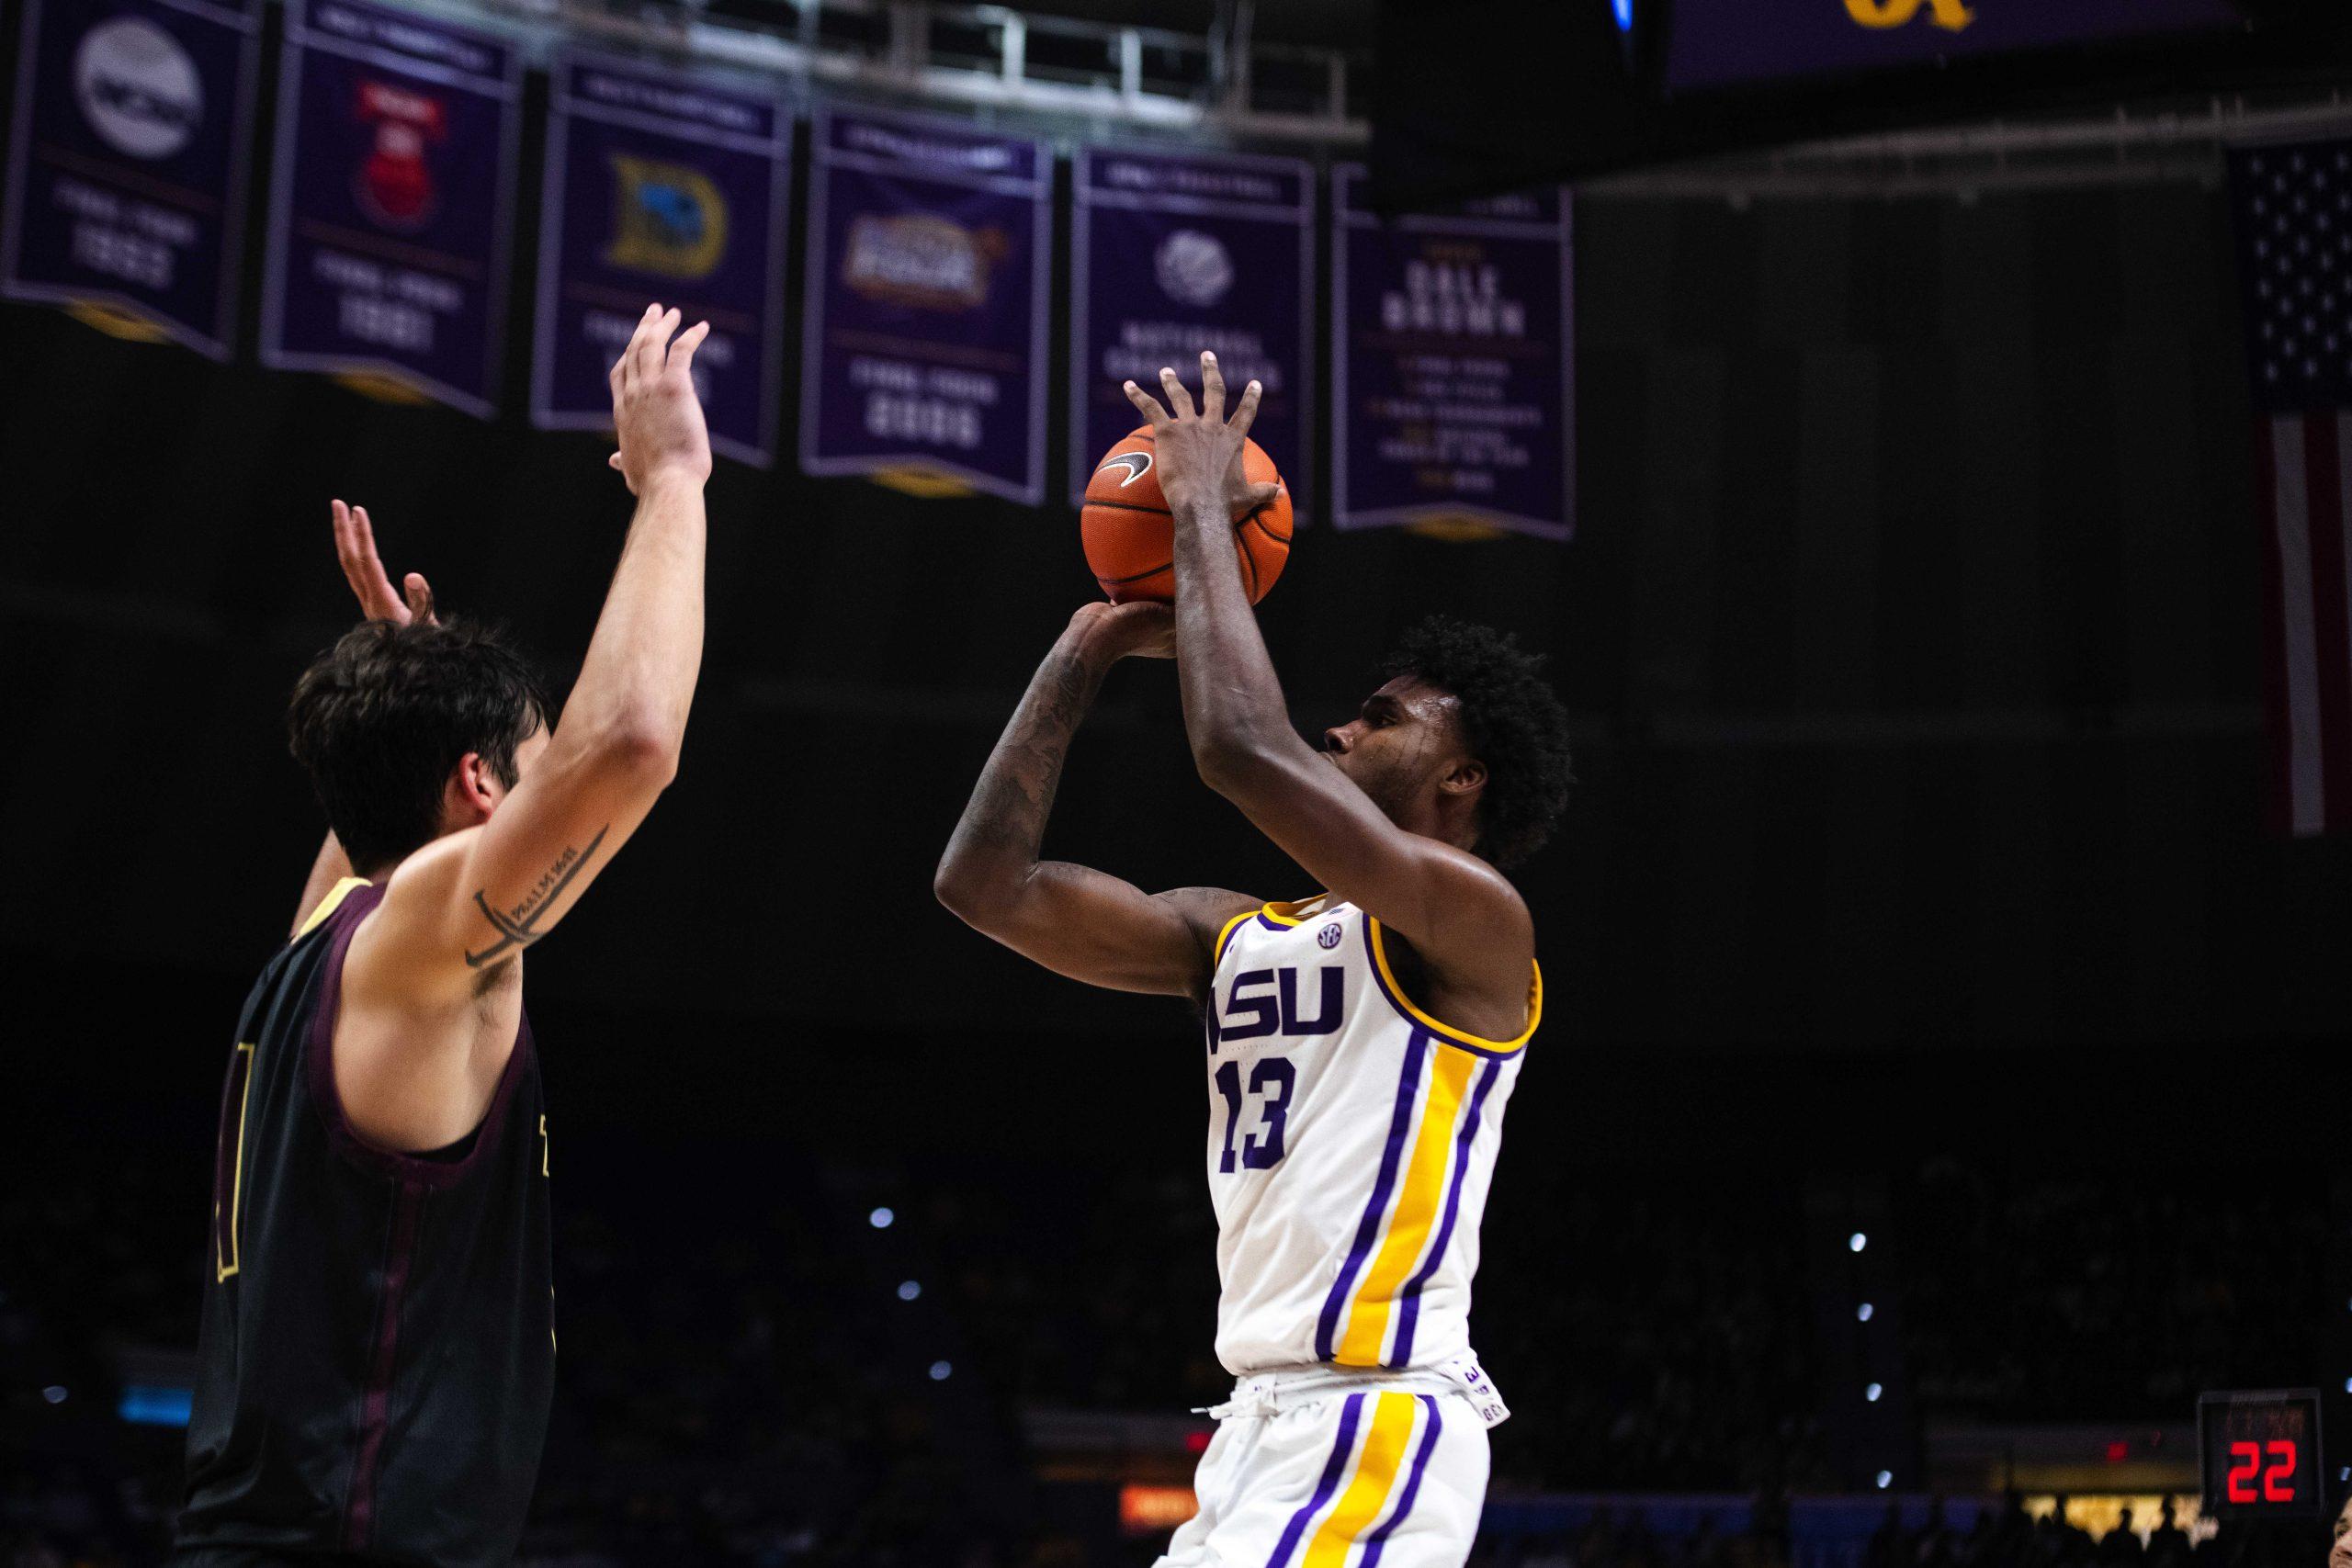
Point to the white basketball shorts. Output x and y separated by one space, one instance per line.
1378 1476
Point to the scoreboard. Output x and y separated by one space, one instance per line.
1722 43
2259 1454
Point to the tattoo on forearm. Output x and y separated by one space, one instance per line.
519 926
1016 790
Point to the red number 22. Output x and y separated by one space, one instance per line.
2277 1480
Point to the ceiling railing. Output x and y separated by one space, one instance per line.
1085 80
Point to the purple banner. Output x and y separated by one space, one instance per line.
1720 43
1453 363
672 187
126 172
392 200
1171 255
928 263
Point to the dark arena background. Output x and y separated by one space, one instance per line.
1944 1085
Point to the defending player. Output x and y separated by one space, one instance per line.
1362 1044
377 1351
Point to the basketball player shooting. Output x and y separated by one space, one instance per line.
377 1351
1361 1043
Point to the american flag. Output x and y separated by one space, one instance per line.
2294 224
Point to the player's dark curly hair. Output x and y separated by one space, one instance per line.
380 718
1514 723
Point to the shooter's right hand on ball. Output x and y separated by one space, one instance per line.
655 411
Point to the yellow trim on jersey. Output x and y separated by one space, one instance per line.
228 1265
330 904
1376 1468
1287 914
1409 1222
1225 935
1445 1032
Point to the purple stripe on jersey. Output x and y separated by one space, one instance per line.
1403 1354
1332 1469
1377 1541
1400 1124
360 1503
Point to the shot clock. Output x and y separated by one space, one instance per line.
2259 1454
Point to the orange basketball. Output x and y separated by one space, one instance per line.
1131 541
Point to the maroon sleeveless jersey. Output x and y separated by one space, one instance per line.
377 1352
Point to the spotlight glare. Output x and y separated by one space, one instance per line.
941 1371
1885 1479
909 1288
54 1393
1871 1393
1862 1312
1857 1241
880 1219
1624 9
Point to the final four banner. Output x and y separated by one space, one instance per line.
664 186
1172 255
391 207
126 173
1453 364
928 263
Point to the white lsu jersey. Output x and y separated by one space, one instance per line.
1351 1143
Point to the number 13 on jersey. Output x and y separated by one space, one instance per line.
1270 1080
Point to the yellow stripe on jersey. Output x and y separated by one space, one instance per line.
225 1258
330 904
1421 1193
1446 1032
1376 1466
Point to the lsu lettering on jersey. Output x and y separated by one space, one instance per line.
1351 1143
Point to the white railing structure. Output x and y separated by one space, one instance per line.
1081 79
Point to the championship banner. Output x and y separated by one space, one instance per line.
126 187
928 266
661 185
390 203
1453 364
1171 255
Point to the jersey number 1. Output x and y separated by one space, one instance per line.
1271 1077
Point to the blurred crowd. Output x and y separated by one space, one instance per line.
763 1362
2185 1280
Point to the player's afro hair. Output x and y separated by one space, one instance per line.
1514 723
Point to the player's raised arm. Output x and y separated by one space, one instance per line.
1074 921
470 901
1461 915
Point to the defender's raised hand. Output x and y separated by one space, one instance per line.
655 411
1199 453
355 547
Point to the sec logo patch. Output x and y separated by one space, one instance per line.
1330 935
